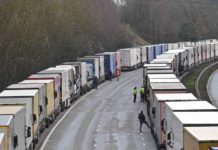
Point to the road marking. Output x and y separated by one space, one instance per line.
208 88
79 100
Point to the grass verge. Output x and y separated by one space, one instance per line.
204 80
190 79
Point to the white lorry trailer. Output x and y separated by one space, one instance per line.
57 87
101 66
64 88
130 58
28 99
12 124
72 85
49 99
42 100
81 74
158 115
156 88
180 120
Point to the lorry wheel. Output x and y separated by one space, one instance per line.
41 129
37 140
46 123
31 146
34 143
50 120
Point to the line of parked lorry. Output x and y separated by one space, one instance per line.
30 106
178 119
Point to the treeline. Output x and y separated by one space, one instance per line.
172 20
36 34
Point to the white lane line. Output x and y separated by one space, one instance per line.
50 133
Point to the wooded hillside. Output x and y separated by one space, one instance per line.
36 34
172 20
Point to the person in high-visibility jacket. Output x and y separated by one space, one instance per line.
134 92
142 93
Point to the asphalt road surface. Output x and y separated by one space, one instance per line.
213 88
105 119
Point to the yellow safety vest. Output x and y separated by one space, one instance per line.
142 90
134 91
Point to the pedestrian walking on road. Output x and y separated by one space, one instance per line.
142 93
142 120
134 92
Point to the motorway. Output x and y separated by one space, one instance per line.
104 119
212 88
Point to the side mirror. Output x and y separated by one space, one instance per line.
169 136
55 94
40 109
163 125
153 111
46 100
170 139
70 84
147 91
34 118
15 141
28 132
